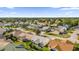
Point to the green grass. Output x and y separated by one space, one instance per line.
58 35
76 47
70 31
30 46
27 45
17 42
45 49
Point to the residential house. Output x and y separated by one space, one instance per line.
3 43
40 40
8 24
62 29
55 32
7 46
1 24
1 33
22 34
18 33
44 28
61 45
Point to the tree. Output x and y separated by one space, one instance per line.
38 31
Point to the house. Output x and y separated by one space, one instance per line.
52 29
18 33
11 47
1 33
23 35
61 45
52 44
76 27
44 28
42 33
28 36
40 40
41 24
1 24
65 46
3 43
55 32
8 24
32 26
2 30
62 29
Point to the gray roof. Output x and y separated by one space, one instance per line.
2 30
12 47
40 39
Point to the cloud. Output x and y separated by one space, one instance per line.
13 13
69 8
10 7
68 13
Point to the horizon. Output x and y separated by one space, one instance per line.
39 12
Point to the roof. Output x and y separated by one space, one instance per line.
61 45
28 36
52 44
2 30
18 33
12 47
7 46
39 39
3 44
65 46
62 28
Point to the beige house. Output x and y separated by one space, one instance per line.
61 45
22 34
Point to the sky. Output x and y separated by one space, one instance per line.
39 11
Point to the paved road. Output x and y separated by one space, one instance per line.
73 38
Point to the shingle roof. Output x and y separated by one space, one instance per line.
61 45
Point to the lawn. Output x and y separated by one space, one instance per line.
30 46
59 35
76 47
